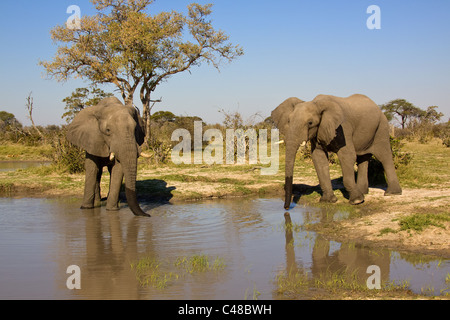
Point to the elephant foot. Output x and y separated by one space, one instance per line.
356 200
329 198
393 192
112 208
90 206
142 214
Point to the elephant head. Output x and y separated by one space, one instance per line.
300 122
111 129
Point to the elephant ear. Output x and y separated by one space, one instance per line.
140 131
84 131
280 115
332 116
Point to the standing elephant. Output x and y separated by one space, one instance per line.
111 134
353 127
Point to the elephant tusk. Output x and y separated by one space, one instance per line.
279 142
111 156
303 144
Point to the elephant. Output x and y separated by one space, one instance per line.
111 134
353 127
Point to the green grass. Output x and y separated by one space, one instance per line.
151 272
386 231
427 170
199 263
14 151
301 283
429 167
418 222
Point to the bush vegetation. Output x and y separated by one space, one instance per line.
421 127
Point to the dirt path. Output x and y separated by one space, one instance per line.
380 221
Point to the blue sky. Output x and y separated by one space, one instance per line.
292 48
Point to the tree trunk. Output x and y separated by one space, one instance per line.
147 121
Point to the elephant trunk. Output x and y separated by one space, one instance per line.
291 152
289 177
129 165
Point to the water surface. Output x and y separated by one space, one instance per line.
40 238
14 165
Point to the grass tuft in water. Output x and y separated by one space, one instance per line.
149 272
300 283
199 263
292 283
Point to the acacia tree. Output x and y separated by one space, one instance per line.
403 109
126 46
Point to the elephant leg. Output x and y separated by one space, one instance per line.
362 181
384 155
383 152
116 172
97 193
321 165
347 159
91 183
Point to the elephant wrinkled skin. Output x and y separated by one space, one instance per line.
111 134
354 127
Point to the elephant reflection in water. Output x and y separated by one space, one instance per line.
111 244
349 262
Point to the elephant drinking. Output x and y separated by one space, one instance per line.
354 127
111 134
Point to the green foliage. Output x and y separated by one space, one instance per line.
66 156
400 158
82 98
402 109
8 120
163 124
163 116
124 45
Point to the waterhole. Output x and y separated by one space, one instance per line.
14 165
253 249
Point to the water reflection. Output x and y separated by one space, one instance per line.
345 262
14 165
40 238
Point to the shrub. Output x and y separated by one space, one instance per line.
66 156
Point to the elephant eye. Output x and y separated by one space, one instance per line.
310 123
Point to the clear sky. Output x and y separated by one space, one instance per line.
292 48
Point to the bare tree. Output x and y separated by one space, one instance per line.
30 106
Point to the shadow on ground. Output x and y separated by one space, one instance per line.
152 193
299 190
